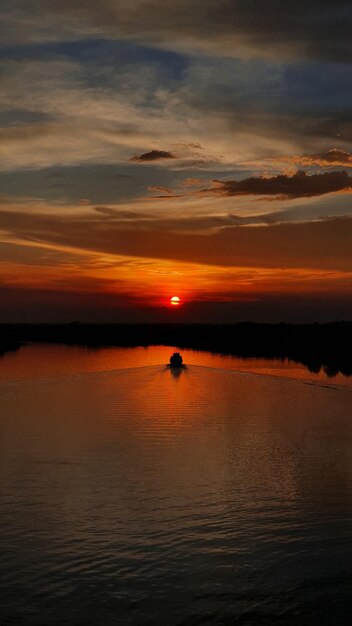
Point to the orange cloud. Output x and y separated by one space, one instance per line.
164 190
193 182
319 244
334 157
58 281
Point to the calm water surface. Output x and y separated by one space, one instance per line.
131 494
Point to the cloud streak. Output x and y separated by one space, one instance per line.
324 244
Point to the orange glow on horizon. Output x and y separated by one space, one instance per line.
141 283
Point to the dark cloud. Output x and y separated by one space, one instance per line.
299 28
169 197
153 155
283 187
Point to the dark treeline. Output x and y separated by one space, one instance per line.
327 346
8 342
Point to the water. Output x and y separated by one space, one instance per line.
131 494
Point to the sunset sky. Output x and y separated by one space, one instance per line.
190 148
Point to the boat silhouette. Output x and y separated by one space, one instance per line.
176 360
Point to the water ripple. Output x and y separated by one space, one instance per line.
133 497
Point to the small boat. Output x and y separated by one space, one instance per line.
176 360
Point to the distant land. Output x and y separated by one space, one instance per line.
317 346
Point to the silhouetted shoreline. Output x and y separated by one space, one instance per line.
8 344
317 346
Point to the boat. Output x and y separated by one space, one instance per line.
176 360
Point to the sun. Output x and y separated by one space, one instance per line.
175 301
